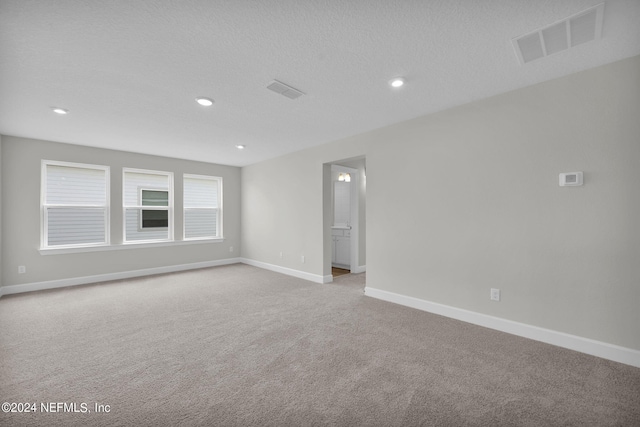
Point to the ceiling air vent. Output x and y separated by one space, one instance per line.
285 90
580 28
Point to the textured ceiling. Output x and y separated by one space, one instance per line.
128 71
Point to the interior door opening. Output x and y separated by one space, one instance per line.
344 217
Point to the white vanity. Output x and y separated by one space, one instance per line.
341 250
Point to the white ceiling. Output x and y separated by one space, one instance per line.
128 71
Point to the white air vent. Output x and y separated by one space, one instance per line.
580 28
283 89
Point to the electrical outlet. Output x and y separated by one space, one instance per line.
22 269
495 294
302 259
230 248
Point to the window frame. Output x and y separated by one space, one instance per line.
45 207
218 208
140 207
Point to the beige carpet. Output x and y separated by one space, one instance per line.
239 346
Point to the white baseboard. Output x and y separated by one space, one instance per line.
288 271
584 345
74 281
356 270
359 269
342 266
61 283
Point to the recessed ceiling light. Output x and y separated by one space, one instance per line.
241 147
397 82
205 102
59 110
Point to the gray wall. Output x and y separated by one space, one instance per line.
481 207
1 223
286 207
21 160
468 199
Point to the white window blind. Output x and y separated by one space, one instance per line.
147 205
202 207
74 205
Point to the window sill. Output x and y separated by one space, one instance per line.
127 245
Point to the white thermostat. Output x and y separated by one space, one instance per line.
570 179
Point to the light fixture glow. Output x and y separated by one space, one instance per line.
205 102
241 147
397 82
344 177
59 110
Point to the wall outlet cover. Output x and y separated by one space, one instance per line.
570 179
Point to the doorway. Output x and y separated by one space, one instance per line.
344 217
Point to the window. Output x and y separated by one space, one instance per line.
202 207
74 205
152 218
147 205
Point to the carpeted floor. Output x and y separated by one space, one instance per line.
241 346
